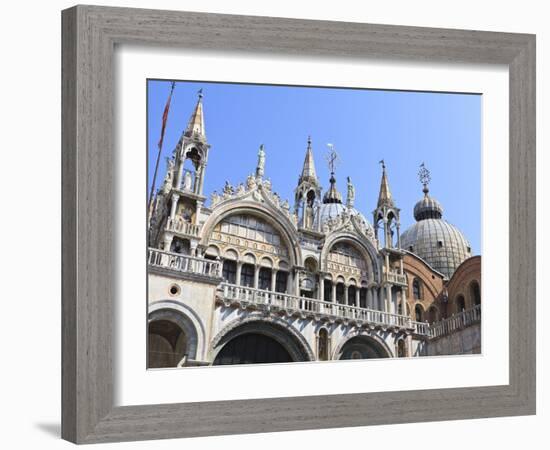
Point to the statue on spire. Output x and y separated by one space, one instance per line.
260 168
351 194
425 177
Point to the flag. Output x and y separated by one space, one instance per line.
165 115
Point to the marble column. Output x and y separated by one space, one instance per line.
388 299
175 198
403 301
256 276
369 299
321 288
239 267
357 296
333 293
346 294
273 279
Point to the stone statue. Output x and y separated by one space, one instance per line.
214 198
261 162
227 190
267 185
250 182
351 193
240 189
187 181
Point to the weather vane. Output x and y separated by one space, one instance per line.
424 177
332 158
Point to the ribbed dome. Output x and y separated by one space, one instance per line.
440 244
428 208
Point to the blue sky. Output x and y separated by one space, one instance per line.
443 130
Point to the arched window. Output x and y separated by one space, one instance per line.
460 304
340 289
247 275
264 279
281 281
417 289
475 294
323 349
328 291
419 313
351 295
230 271
363 298
180 246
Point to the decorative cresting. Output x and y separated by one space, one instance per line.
284 333
370 336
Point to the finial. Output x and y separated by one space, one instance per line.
424 177
199 93
383 164
332 158
309 141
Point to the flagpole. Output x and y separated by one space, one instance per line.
164 119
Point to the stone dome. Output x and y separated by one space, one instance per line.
436 241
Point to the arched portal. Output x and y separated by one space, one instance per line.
252 348
259 341
171 338
363 347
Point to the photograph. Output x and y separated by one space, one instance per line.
310 223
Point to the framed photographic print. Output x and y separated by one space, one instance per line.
269 223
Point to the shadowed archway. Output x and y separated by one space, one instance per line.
259 341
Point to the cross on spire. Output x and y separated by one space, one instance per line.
425 177
332 158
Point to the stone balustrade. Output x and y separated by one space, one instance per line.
184 263
180 226
456 322
394 277
284 302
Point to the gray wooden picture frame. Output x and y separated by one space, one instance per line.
90 34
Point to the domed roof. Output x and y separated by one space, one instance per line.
440 244
330 211
436 241
428 208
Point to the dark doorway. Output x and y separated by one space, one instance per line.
167 344
252 348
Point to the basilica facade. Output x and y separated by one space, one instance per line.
247 277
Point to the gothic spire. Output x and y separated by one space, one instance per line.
195 127
384 198
308 171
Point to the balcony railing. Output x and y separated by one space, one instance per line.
183 263
456 322
182 227
291 303
394 277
